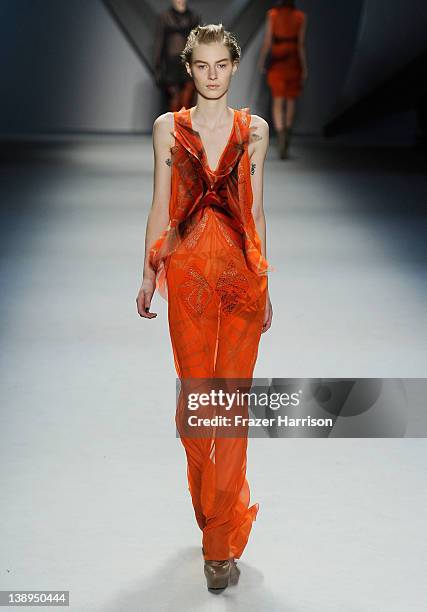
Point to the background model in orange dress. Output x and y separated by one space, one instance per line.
210 268
284 45
284 74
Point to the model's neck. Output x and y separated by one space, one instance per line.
211 112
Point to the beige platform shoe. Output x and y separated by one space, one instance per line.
221 574
217 574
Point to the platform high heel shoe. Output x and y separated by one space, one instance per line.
217 574
234 573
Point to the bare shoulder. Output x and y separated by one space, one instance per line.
260 123
259 129
162 128
164 122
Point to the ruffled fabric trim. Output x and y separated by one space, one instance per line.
190 140
253 254
164 246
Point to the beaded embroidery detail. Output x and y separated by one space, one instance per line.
195 292
232 288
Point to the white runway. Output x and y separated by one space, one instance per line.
94 495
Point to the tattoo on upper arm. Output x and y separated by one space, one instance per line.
253 166
253 136
168 161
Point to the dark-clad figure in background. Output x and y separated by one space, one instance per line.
173 28
286 65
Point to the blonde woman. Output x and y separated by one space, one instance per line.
205 252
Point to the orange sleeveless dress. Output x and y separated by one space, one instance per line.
209 267
284 75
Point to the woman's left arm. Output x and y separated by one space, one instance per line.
266 45
259 143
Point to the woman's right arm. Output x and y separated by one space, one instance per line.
158 217
268 37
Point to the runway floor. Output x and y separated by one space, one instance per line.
93 480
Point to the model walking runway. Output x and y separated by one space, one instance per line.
216 311
210 263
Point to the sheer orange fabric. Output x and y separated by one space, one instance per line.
210 268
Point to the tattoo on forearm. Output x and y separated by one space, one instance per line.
253 166
168 162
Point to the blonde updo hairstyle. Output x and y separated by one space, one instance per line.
211 33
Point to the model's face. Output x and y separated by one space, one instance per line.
179 5
211 69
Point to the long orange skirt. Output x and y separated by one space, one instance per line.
216 311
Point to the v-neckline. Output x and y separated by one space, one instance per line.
203 147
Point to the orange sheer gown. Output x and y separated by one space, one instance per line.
209 267
284 75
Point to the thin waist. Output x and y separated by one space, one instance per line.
233 226
222 211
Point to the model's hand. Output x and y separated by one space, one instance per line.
268 315
143 300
